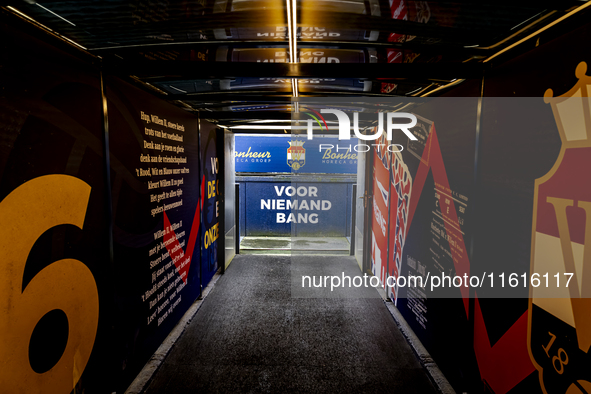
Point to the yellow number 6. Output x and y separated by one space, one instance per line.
25 214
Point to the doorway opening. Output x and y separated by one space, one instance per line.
294 197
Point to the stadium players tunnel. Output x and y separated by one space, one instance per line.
126 126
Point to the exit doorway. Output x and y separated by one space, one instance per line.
294 203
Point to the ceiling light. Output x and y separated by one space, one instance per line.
292 29
285 121
289 30
51 12
576 10
271 127
294 26
45 27
177 89
294 87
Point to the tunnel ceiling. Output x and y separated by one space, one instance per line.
186 51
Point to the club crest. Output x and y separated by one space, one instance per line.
559 334
296 155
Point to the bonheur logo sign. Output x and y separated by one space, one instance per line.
345 129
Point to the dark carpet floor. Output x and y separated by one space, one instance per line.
251 336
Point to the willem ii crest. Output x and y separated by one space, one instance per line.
296 155
559 330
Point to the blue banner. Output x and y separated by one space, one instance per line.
321 155
210 210
276 206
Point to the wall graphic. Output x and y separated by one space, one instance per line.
400 194
65 289
157 212
54 265
210 229
78 315
525 174
430 183
514 201
379 214
442 251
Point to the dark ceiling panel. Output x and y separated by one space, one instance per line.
96 24
155 71
186 50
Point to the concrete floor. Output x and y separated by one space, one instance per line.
290 245
252 336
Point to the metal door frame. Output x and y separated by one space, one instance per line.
368 207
